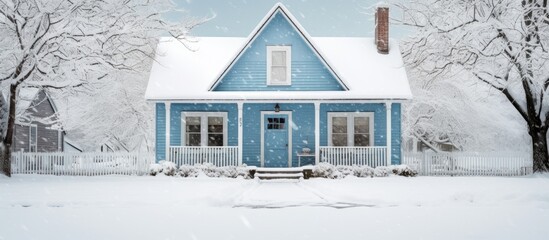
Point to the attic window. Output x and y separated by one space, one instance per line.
279 65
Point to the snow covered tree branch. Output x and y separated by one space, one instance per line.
503 44
58 44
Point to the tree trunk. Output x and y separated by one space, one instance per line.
539 149
8 139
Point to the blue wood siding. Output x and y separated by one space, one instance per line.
232 119
380 119
380 124
302 130
249 73
160 131
175 121
396 137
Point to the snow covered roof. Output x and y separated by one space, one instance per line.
187 73
182 74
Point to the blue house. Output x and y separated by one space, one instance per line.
280 98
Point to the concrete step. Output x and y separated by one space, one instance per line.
281 173
268 176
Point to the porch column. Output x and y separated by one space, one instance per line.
388 108
168 120
240 133
317 133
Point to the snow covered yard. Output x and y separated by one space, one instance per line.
122 207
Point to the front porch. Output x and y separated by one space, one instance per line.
228 156
279 135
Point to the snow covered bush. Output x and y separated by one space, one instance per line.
208 169
346 170
404 170
363 171
234 171
154 169
188 171
382 171
228 171
326 170
168 168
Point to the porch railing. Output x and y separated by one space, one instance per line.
370 156
218 156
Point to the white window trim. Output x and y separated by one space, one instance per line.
203 126
351 126
288 50
35 138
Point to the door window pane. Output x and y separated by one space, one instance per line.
276 123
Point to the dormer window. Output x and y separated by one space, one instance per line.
279 65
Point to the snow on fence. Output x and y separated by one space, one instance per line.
218 156
469 164
81 164
370 156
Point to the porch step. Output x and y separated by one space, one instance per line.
269 176
279 173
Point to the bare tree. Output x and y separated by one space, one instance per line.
501 43
59 44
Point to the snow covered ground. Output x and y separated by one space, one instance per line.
121 207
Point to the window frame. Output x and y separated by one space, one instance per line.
288 50
35 138
351 126
203 127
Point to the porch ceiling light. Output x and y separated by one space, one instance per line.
277 108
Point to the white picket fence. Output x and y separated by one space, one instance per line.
470 164
218 156
370 156
81 164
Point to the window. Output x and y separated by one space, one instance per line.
279 65
33 131
59 140
351 129
204 128
276 123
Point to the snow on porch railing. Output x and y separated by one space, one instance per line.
218 156
470 163
370 156
81 164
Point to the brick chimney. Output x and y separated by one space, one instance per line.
382 29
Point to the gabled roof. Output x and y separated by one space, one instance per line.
277 8
182 74
27 96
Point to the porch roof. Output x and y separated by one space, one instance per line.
185 72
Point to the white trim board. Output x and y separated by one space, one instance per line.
262 139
